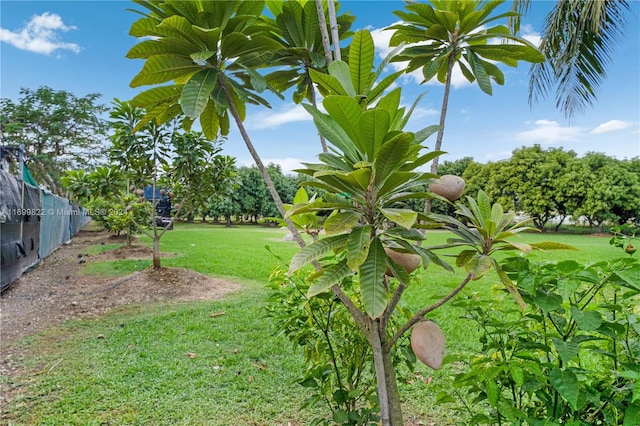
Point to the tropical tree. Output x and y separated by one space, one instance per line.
443 35
128 148
578 42
208 52
299 30
59 131
78 184
197 171
367 181
532 174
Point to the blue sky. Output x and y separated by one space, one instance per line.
80 47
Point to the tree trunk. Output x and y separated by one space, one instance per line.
443 117
156 252
314 102
263 170
388 395
326 44
335 37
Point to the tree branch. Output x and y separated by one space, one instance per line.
420 314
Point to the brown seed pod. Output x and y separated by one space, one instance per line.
162 192
427 342
450 187
141 200
128 208
139 191
408 261
132 188
176 206
170 194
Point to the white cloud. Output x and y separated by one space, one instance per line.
529 34
274 119
550 132
611 126
40 35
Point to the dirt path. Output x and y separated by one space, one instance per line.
56 291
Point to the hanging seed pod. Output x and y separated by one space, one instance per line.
139 191
132 188
128 208
170 194
162 192
408 261
427 342
449 186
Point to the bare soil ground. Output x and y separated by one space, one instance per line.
56 291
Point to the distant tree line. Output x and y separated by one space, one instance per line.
551 185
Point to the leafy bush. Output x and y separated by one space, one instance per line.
339 370
119 215
572 357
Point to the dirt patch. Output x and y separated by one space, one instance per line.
56 291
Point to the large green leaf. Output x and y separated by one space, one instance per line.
195 94
586 320
374 125
335 134
372 289
504 52
210 121
358 246
162 68
391 156
346 112
478 266
316 250
340 70
566 350
329 83
566 383
333 274
340 222
157 95
403 217
361 55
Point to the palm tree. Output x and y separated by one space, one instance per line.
209 51
578 41
445 34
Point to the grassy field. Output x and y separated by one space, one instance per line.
175 364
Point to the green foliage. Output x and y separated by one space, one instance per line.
297 26
118 215
547 184
337 355
59 131
207 52
459 32
552 363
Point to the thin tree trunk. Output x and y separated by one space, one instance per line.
388 395
265 175
443 117
335 37
326 44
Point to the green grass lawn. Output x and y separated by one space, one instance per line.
175 364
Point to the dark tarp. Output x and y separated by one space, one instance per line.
20 216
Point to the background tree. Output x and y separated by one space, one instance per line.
447 34
59 132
